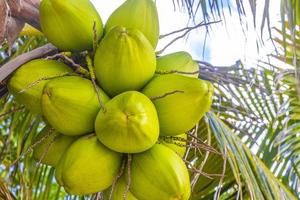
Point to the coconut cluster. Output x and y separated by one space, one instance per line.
139 105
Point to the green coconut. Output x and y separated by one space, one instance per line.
87 167
119 191
51 149
68 24
180 101
180 61
30 73
124 60
176 145
70 105
159 173
59 170
130 123
137 14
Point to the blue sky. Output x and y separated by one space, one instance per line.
226 42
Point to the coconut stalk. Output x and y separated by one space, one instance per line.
14 64
7 69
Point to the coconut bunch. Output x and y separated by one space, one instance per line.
124 134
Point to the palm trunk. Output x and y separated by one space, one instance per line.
13 15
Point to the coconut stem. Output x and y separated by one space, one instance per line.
31 148
176 72
93 79
116 179
46 78
129 159
191 167
65 57
95 39
174 140
166 94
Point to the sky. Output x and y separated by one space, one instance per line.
226 43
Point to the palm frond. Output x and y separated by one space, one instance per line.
286 140
215 170
212 9
246 99
257 109
290 15
259 181
215 10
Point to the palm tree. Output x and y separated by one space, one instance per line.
250 138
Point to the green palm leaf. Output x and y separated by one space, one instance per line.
259 181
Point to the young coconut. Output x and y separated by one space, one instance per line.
68 24
52 147
124 60
118 191
137 14
159 173
70 105
180 101
29 73
179 61
87 167
130 123
177 145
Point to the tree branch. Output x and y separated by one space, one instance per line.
7 69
